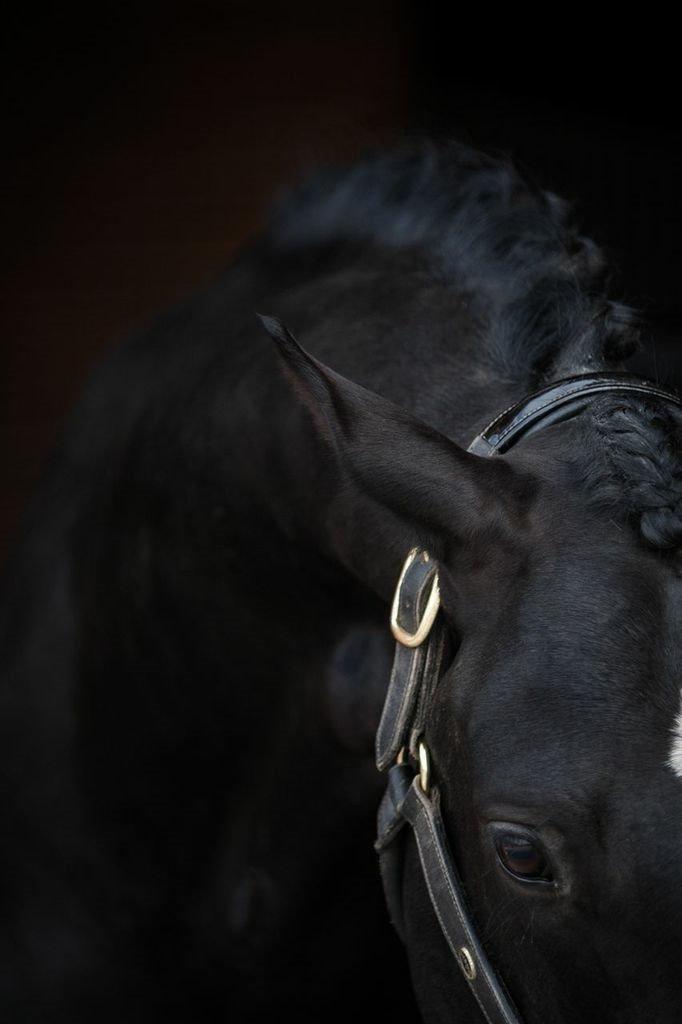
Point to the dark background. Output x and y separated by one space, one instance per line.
141 148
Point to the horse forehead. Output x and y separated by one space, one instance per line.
582 611
578 677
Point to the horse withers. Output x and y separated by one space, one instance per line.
196 648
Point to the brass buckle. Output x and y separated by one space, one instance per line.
424 768
430 612
424 759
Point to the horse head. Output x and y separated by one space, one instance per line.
551 728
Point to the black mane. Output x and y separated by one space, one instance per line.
636 467
538 284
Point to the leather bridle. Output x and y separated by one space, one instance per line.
412 796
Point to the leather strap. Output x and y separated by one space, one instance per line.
415 669
389 843
406 802
555 403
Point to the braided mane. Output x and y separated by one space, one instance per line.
637 466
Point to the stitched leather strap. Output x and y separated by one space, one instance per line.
390 823
557 402
414 668
405 802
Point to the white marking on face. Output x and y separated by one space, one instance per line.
672 647
675 759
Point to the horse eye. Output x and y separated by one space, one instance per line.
523 857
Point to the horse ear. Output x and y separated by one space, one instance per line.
396 459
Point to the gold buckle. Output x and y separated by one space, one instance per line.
430 612
424 767
424 759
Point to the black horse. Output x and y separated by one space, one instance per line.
195 644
